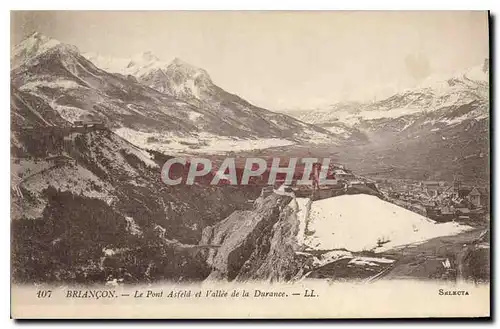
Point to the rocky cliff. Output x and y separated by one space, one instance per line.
258 244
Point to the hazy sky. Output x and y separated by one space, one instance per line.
282 60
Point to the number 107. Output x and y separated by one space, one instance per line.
44 293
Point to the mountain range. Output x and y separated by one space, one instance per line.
438 130
175 107
164 107
435 99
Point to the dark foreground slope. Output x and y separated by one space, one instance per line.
104 213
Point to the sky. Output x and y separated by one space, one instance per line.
283 60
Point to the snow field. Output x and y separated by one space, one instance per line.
364 222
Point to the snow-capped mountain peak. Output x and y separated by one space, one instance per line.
177 77
32 46
179 68
183 80
107 63
38 36
143 63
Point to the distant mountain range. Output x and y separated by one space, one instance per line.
440 128
437 101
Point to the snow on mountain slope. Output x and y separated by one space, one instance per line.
77 179
107 63
177 77
341 223
29 110
438 130
200 143
106 199
137 65
34 45
436 97
194 86
101 165
183 104
99 156
63 78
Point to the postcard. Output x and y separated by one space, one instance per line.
250 164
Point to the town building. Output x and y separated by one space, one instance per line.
342 174
477 196
83 126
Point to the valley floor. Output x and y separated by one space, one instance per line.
467 253
460 257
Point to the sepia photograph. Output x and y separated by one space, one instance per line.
215 164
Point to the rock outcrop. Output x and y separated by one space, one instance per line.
257 244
